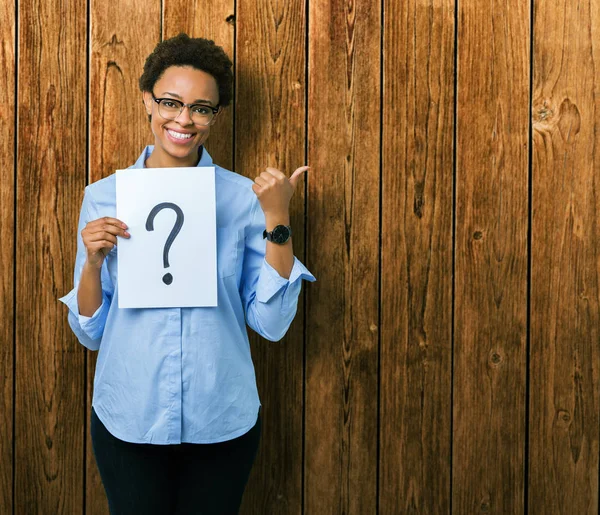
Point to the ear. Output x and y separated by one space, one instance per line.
148 100
218 115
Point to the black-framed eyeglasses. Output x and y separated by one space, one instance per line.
170 108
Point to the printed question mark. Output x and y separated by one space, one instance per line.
167 278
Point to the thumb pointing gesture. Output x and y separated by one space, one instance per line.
274 190
296 175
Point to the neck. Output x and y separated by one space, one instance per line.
159 159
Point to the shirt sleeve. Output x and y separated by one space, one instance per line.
88 329
270 301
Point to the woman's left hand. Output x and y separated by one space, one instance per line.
274 190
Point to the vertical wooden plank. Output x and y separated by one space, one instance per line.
50 166
343 253
269 127
416 294
7 261
119 128
211 19
491 257
565 356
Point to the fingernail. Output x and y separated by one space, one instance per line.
124 226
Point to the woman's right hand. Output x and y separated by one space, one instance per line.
100 237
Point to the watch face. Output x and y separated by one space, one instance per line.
281 234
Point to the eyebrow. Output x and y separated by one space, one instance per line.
198 100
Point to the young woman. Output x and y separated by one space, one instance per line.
175 419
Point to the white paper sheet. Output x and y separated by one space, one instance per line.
143 277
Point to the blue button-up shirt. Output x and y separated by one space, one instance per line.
172 375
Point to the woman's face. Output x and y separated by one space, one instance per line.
177 141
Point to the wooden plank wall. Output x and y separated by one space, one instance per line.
447 359
7 231
269 131
340 465
565 355
491 217
49 396
416 257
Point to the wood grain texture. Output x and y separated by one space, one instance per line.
491 257
119 127
343 253
416 293
269 124
7 249
565 357
49 394
119 130
210 19
319 448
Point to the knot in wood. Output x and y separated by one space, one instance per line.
495 358
569 121
543 112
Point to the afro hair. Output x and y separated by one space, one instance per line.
202 54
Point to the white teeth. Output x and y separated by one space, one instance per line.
178 135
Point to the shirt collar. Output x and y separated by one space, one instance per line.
205 159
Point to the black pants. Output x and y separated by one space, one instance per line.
178 479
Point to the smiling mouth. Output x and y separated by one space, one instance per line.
179 135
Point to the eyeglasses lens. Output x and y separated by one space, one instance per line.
170 109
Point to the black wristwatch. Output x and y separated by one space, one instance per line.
280 234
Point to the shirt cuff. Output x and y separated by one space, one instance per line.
92 326
270 282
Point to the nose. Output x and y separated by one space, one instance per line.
184 119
